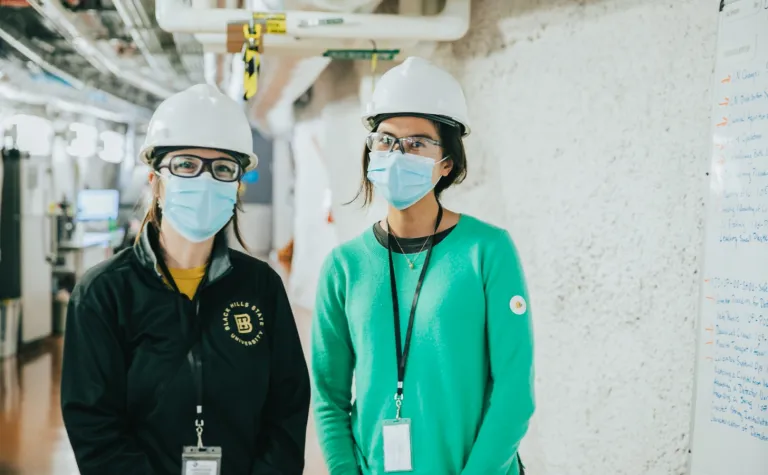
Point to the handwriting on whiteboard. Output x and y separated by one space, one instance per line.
740 161
738 346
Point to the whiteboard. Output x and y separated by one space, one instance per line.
730 416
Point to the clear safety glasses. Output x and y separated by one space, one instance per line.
190 166
380 142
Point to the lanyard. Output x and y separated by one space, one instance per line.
402 350
193 356
196 362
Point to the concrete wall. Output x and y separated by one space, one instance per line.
314 235
283 201
590 144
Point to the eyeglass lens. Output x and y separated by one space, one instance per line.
378 142
189 166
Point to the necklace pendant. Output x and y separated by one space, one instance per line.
410 264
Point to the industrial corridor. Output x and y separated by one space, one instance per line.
374 237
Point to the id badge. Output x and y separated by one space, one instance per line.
397 445
201 461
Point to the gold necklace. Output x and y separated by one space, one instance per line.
411 263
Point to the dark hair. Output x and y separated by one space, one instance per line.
155 213
453 148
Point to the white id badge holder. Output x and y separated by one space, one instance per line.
201 461
397 445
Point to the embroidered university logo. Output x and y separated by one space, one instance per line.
244 322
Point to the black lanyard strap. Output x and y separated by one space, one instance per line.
196 362
194 354
402 350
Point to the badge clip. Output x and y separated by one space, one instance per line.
398 405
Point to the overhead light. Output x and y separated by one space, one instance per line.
33 133
113 146
83 144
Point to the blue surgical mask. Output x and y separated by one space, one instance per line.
401 178
198 207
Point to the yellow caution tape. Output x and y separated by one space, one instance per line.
252 60
275 22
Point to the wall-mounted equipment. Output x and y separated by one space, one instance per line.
26 234
97 205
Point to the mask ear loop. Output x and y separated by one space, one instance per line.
441 161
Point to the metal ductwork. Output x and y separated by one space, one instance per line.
14 86
139 26
100 59
305 29
292 61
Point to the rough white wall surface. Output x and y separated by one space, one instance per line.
314 237
590 144
595 116
283 187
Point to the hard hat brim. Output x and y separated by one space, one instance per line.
370 121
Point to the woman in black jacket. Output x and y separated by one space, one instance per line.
180 352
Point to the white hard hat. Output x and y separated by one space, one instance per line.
200 117
418 87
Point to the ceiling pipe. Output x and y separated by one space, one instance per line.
37 59
410 8
216 64
217 43
25 97
63 75
449 25
162 67
140 12
54 12
148 28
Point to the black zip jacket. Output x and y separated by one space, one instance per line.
128 393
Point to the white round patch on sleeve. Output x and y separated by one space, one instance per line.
518 305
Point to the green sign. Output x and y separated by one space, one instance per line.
353 54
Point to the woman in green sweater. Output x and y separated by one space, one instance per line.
428 309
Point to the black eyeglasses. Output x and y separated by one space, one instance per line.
191 166
380 142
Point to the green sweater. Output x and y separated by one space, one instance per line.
469 377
